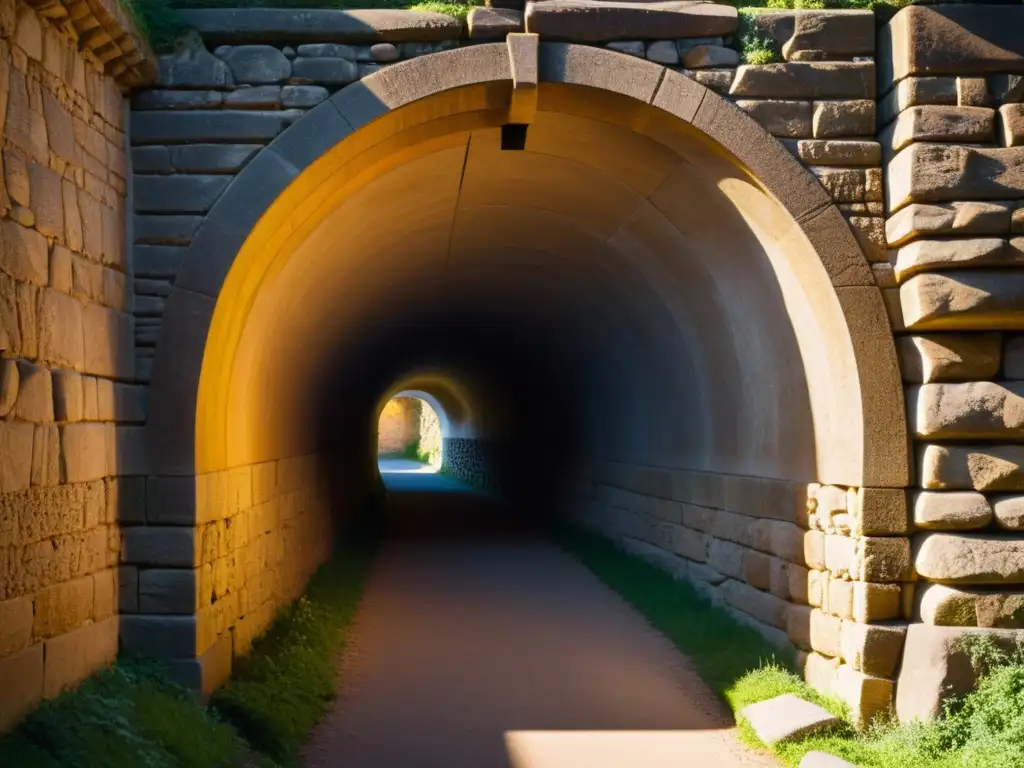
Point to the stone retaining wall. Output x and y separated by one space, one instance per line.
950 125
210 560
67 399
472 461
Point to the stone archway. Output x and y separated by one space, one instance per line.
210 435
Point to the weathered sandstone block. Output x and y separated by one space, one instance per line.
940 123
849 117
806 80
839 152
787 717
584 21
493 23
955 606
964 300
927 172
874 649
867 696
914 91
819 35
951 511
878 511
983 468
1011 118
937 665
969 558
981 409
949 357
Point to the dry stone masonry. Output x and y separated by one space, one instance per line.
915 132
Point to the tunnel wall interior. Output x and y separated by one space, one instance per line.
399 425
194 487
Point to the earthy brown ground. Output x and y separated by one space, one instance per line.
472 627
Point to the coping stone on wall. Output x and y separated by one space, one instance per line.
595 21
293 26
951 39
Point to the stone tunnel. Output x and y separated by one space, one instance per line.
754 322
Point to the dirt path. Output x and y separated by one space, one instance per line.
472 628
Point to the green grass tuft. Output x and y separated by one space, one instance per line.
285 685
983 730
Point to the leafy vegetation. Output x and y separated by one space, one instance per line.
132 715
984 729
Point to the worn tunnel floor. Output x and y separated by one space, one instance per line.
474 626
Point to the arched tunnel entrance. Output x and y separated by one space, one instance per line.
653 288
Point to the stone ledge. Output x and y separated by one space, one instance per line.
586 21
292 26
104 31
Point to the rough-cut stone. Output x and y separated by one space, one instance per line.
927 172
867 696
1009 512
914 91
970 410
663 52
806 80
957 218
964 300
302 96
178 194
209 125
301 25
631 47
940 123
23 253
384 53
937 665
492 23
850 185
953 606
258 64
983 468
787 717
587 21
813 35
212 158
176 100
329 71
1011 118
972 92
878 511
35 393
933 255
838 152
84 452
955 39
957 510
949 357
8 385
780 118
969 558
327 50
256 97
710 56
718 80
874 649
850 117
194 67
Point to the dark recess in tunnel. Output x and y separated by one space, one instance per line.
513 367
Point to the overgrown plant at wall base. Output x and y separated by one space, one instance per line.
984 729
131 715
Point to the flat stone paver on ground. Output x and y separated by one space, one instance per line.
478 641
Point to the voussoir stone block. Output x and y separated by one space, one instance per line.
806 80
964 300
956 218
955 606
970 558
787 717
928 172
970 410
951 511
590 21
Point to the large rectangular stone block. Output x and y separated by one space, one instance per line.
21 680
215 126
61 332
806 80
949 357
181 194
168 590
927 172
164 637
15 625
84 451
970 410
169 546
63 607
964 300
72 657
962 467
970 558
